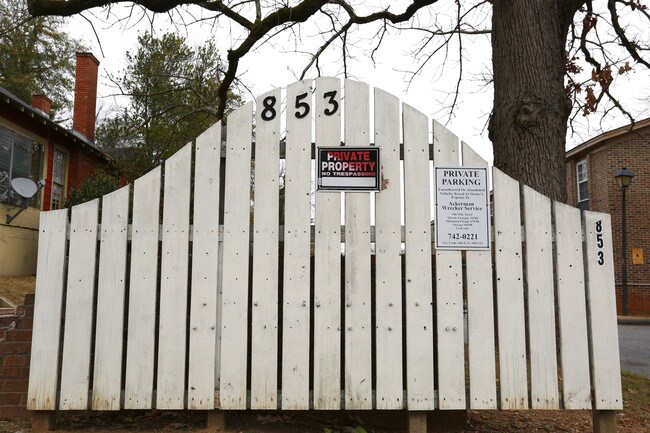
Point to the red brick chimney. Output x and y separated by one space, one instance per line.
42 102
85 95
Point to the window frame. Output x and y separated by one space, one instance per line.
64 186
582 162
37 200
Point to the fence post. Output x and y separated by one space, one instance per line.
43 421
604 421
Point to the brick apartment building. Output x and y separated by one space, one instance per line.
590 169
33 146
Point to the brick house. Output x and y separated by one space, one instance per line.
33 146
590 169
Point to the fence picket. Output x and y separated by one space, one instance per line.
107 381
78 328
419 290
449 295
234 331
388 266
205 271
480 316
327 259
358 328
541 303
601 302
510 293
140 343
572 309
296 296
48 305
170 386
264 334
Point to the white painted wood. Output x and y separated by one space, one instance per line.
138 387
358 326
480 316
572 309
388 266
48 303
601 302
170 384
449 295
264 330
78 329
419 290
234 331
203 302
109 328
296 284
510 292
327 261
541 300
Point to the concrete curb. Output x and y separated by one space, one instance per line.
632 320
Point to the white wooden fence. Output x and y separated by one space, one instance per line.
169 305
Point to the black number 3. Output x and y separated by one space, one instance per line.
601 258
302 105
331 95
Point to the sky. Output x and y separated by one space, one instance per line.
280 63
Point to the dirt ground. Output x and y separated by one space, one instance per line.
478 421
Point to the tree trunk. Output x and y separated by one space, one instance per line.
531 109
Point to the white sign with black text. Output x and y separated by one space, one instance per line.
462 217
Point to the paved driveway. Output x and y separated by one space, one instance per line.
634 343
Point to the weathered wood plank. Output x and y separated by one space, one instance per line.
480 316
358 327
48 304
388 267
234 319
264 338
601 302
541 300
170 385
327 259
205 271
109 336
449 295
419 290
572 308
296 296
78 328
140 343
510 292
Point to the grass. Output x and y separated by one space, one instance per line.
14 289
636 395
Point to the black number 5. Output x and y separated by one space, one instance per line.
302 105
599 240
330 99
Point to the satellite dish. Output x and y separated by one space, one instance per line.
25 188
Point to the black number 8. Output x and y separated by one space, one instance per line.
330 99
268 113
599 226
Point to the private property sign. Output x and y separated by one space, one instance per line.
348 169
462 208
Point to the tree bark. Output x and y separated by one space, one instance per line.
531 108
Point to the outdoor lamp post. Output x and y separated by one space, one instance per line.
623 179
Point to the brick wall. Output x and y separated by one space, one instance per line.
631 150
15 349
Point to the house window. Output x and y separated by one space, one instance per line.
58 179
19 157
583 184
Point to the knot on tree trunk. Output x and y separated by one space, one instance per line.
528 114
